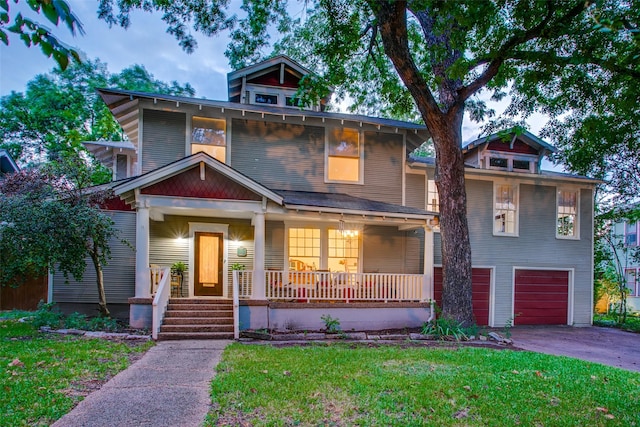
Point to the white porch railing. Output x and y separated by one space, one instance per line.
236 304
161 299
306 286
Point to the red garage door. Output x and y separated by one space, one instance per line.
541 297
481 283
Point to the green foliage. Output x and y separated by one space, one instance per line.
416 386
47 373
238 266
631 323
446 329
52 221
61 109
45 315
331 324
178 267
32 33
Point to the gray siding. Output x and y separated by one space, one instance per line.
291 157
163 138
415 191
387 250
535 247
119 273
274 242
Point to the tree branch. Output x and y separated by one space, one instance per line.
550 58
392 24
544 29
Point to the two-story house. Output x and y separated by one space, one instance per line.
300 213
625 236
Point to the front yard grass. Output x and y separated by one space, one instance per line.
343 385
43 376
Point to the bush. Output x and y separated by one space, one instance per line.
46 316
102 323
446 329
75 321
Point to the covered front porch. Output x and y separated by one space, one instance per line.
278 254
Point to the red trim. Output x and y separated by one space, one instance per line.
518 147
481 288
273 79
116 204
189 184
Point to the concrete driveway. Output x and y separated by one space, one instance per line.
608 346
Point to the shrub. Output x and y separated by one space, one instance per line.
445 329
46 316
331 324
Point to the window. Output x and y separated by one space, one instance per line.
496 162
262 98
433 201
567 214
122 166
631 274
291 101
343 155
521 164
344 249
209 136
324 248
505 216
631 234
304 249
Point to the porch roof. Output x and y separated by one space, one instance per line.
344 203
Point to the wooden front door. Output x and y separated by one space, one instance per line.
209 266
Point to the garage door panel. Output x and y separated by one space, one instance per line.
481 286
541 297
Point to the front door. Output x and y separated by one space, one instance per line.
208 279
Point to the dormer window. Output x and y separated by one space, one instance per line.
496 162
262 98
522 164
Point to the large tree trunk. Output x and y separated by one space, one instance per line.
454 229
443 118
102 297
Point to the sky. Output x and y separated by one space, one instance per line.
145 42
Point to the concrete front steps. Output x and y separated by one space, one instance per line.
190 318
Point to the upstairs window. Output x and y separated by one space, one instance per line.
496 162
631 275
631 233
505 213
567 214
209 136
522 164
343 156
433 200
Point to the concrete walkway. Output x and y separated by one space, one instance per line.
168 386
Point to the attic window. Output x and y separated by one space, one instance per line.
262 98
522 164
496 162
292 101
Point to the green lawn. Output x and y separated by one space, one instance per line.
43 376
391 386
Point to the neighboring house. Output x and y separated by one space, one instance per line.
328 214
627 233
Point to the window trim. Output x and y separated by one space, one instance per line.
360 157
636 284
576 235
516 190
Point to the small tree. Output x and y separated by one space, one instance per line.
612 256
52 220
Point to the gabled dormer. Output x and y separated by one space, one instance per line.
514 152
273 82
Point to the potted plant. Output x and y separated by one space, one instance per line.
177 274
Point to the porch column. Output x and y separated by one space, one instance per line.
142 251
258 288
427 284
